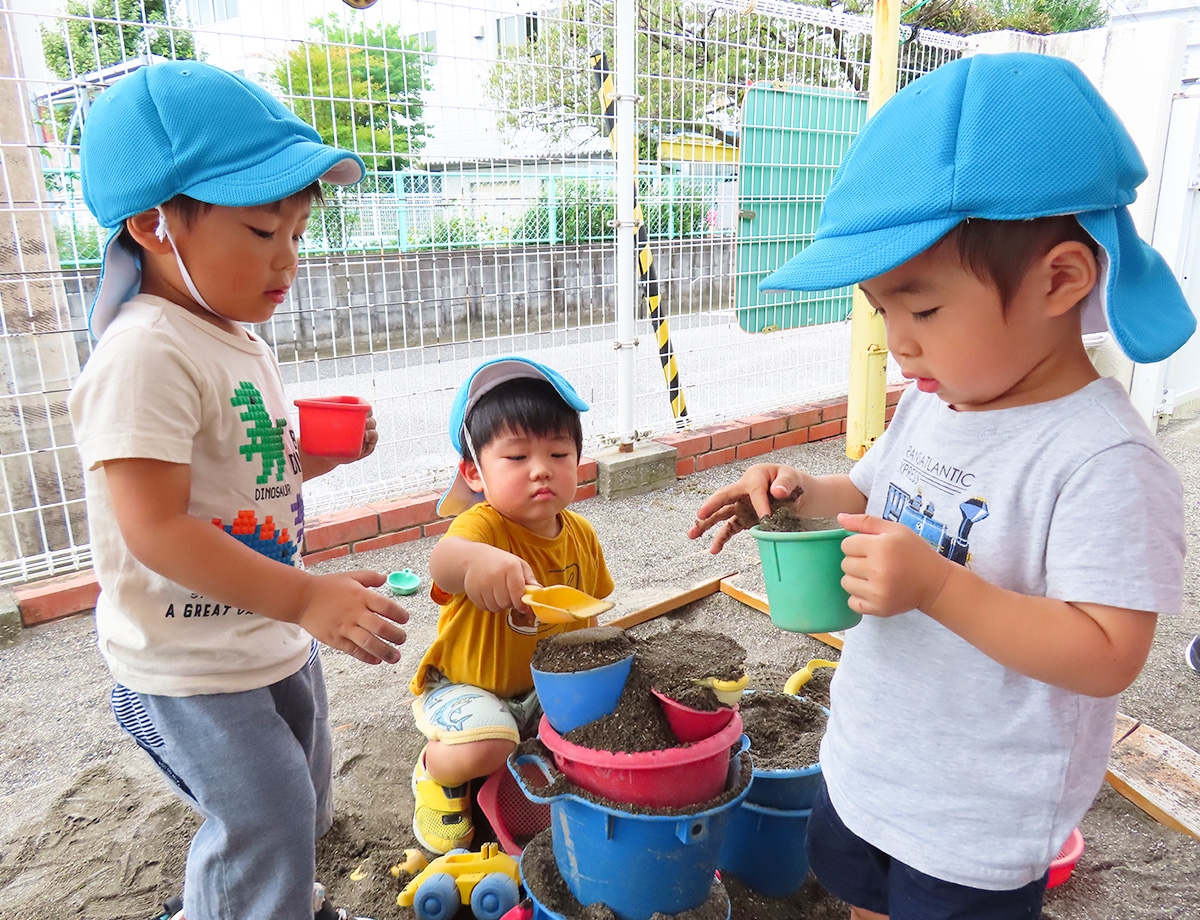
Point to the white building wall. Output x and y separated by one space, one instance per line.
1139 69
1150 11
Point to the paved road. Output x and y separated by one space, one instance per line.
725 374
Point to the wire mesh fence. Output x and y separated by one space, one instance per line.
484 225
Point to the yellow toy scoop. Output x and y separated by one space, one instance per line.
804 675
562 604
728 692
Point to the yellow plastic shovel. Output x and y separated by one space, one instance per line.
804 675
728 692
563 604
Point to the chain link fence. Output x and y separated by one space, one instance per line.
484 226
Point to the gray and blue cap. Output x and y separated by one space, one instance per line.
485 378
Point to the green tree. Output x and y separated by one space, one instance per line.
361 88
1044 17
105 32
695 60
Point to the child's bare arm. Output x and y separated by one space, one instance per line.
150 501
314 466
766 486
1087 648
492 578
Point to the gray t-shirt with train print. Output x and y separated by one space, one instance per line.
944 759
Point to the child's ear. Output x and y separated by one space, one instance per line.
1071 273
143 228
470 474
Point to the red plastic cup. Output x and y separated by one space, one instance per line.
690 724
333 426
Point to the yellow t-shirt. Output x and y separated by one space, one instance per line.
485 649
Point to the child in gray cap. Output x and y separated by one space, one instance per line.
1015 532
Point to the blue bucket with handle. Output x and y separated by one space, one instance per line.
636 864
545 902
764 848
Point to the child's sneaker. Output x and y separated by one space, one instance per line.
1192 653
441 814
323 910
172 909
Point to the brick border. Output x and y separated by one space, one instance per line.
411 517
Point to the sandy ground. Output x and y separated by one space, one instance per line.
88 830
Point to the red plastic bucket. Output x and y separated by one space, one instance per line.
671 778
1068 856
690 724
333 426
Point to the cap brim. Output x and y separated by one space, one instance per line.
836 261
120 278
283 173
1140 299
458 498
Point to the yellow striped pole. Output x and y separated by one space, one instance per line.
645 258
866 403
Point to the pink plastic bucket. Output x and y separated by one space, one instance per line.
671 778
1068 856
333 426
690 724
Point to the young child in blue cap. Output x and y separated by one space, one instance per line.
206 182
983 212
515 424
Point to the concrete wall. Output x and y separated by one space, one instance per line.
442 296
1138 69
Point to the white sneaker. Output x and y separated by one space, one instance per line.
323 910
1192 653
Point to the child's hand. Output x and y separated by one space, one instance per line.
495 580
370 436
341 611
762 489
889 569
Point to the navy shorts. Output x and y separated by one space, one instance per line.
866 877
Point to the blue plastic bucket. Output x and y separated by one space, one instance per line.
764 848
637 865
542 912
574 698
787 789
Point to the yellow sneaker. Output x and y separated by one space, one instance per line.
441 814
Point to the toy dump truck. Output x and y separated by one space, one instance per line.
488 881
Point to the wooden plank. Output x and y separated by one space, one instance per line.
758 602
674 602
1160 775
1150 768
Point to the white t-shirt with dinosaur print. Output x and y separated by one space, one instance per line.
166 385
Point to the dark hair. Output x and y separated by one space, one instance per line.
1000 251
523 406
189 209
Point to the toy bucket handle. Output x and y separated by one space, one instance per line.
549 772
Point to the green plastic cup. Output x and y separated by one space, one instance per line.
803 572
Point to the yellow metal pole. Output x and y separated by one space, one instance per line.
867 399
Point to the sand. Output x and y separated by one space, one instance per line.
88 830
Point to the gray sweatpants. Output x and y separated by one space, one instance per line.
257 765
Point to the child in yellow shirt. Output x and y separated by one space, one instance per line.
516 426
